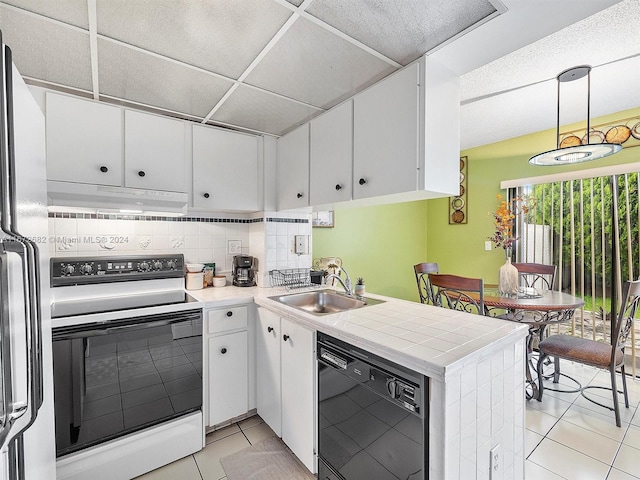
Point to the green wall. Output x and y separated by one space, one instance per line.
382 243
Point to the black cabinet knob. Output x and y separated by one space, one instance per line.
285 337
206 195
224 350
269 329
338 187
229 313
104 169
362 181
299 195
141 173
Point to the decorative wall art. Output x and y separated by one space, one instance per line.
322 219
625 131
458 205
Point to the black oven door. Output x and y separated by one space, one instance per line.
114 378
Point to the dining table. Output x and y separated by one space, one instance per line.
537 309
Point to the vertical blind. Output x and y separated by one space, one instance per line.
577 224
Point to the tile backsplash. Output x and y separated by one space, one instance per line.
268 236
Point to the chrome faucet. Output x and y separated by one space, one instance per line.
346 284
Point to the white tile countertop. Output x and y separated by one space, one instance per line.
436 342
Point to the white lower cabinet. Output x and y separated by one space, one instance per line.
227 392
228 387
286 382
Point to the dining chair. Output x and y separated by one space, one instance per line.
536 275
422 271
458 293
608 356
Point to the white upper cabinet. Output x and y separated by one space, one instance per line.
293 169
385 136
331 156
84 141
225 170
154 152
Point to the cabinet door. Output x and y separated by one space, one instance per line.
84 141
225 170
268 369
298 387
293 169
228 377
386 136
331 156
154 152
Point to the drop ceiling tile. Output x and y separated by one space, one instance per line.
403 30
317 67
46 51
297 3
136 76
262 111
73 12
220 36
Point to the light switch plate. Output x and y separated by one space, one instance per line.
301 244
487 245
234 247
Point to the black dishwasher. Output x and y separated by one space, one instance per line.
372 416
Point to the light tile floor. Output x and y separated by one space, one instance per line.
566 437
205 464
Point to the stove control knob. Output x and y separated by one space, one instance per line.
143 266
157 265
68 269
171 264
87 269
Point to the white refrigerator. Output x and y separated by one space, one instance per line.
27 436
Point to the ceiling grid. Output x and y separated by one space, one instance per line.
266 66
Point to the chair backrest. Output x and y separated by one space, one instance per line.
458 293
625 321
536 275
422 271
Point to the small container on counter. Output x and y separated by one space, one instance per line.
209 272
194 281
219 280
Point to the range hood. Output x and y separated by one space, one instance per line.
68 194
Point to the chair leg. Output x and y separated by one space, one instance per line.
541 360
556 369
614 391
624 386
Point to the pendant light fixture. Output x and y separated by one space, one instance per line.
583 152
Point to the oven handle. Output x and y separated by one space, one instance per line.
123 328
93 329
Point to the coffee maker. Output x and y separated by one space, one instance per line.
244 271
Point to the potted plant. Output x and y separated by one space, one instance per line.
359 286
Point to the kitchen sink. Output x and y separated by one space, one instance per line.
323 302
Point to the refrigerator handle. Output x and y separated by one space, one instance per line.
5 345
32 265
27 251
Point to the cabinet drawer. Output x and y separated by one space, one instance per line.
227 319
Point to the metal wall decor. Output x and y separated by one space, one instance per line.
625 132
458 204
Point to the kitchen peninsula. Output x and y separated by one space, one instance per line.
475 366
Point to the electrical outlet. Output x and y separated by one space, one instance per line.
234 247
495 463
487 245
301 242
